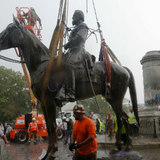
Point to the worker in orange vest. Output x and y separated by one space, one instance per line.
33 129
84 135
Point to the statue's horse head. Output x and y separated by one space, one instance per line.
34 51
12 36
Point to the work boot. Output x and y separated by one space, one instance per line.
35 142
70 85
29 142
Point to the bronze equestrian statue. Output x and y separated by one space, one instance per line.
74 58
37 55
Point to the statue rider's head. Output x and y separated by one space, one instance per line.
78 17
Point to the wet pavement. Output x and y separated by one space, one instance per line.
32 152
22 151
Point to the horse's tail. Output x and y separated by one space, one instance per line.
132 90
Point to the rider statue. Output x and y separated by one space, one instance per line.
76 54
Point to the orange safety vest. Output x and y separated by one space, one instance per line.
33 127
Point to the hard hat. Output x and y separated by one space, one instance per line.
78 108
33 119
71 118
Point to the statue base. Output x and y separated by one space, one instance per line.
147 117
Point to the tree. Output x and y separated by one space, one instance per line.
91 105
14 95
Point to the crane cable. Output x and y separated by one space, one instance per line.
109 51
105 71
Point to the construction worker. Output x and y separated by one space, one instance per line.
84 135
123 132
93 117
32 17
132 123
4 138
33 129
98 125
110 125
64 129
69 130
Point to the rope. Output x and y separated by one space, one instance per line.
60 12
100 32
95 10
10 60
68 29
87 6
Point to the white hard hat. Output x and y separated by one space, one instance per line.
71 118
33 119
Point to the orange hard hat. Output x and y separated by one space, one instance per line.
78 108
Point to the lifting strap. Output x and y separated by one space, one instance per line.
104 57
53 48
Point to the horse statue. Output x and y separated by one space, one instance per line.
37 55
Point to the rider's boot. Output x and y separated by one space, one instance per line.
70 85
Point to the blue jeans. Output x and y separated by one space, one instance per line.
69 134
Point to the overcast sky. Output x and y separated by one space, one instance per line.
130 27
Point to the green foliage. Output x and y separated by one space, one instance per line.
14 95
91 105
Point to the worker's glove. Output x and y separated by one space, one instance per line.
73 146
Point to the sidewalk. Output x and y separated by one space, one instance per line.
139 143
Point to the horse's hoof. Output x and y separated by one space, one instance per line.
127 149
113 151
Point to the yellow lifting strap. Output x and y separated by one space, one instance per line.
61 30
57 35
